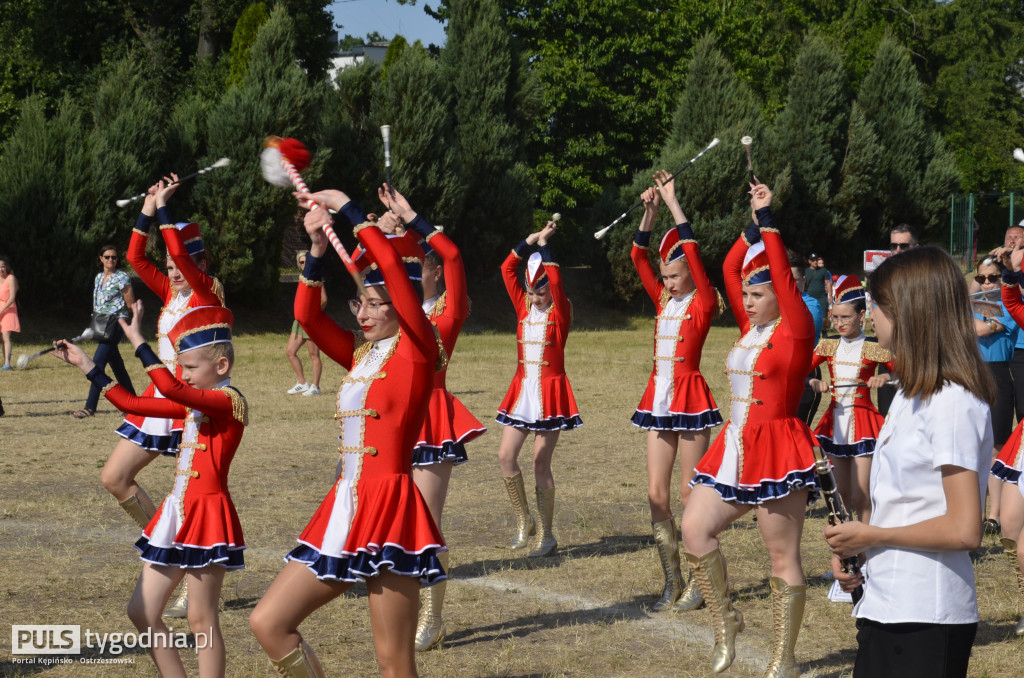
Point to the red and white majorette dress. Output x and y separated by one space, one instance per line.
849 428
765 451
1010 461
449 425
540 397
158 434
196 525
374 519
677 397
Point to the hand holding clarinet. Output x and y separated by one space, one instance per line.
845 536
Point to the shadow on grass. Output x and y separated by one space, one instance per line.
524 626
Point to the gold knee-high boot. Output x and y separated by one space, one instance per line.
1010 546
140 507
525 525
546 543
787 613
178 609
709 571
430 630
692 598
299 663
668 551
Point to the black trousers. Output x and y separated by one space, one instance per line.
1017 372
810 400
1002 410
913 650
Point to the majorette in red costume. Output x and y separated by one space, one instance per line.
1010 461
765 450
183 240
449 425
196 525
677 397
540 397
374 518
850 426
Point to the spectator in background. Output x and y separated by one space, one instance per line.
810 400
818 282
902 237
111 293
8 307
297 338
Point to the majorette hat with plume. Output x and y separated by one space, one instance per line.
202 326
848 288
408 247
755 266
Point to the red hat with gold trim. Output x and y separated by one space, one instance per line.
755 266
409 250
201 326
191 236
536 274
671 248
848 288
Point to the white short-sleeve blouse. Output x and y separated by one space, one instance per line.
953 427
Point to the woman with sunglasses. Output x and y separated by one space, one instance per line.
111 293
997 335
849 428
373 526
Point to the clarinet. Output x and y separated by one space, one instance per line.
837 512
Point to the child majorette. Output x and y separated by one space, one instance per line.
763 459
848 429
677 408
449 425
1010 461
373 526
540 398
195 534
184 286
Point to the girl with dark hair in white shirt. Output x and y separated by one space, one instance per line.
928 478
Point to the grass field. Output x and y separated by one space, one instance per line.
66 553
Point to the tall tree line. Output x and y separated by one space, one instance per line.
863 115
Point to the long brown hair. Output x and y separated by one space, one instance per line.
923 294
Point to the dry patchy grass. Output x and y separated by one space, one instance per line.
67 553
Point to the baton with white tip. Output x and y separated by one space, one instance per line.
223 162
600 234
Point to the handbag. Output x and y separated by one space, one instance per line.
104 326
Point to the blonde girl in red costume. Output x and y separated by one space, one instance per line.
763 459
849 428
441 444
677 408
540 398
195 535
373 526
184 285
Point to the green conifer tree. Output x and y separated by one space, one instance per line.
480 63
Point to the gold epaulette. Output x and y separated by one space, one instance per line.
827 347
360 349
438 307
873 351
239 407
218 290
442 355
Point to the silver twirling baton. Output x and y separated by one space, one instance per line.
600 234
223 162
385 134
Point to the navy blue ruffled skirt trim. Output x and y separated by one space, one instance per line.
551 424
766 491
166 445
191 557
426 455
1007 474
861 449
424 566
677 422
